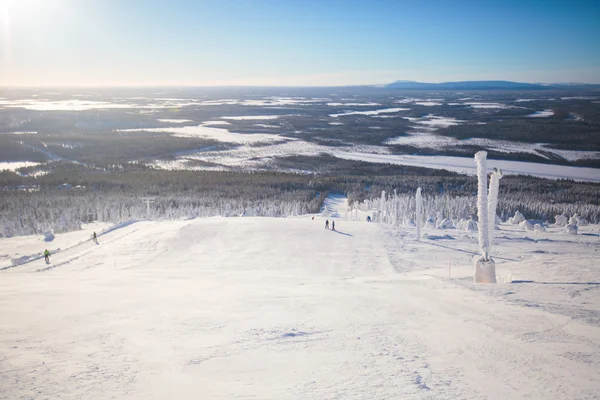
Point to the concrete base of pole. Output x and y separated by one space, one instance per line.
485 271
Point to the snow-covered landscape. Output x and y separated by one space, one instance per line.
299 200
269 128
278 308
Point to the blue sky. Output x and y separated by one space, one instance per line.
268 42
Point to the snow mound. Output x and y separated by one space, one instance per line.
446 223
517 219
527 225
539 228
471 226
561 220
430 223
571 229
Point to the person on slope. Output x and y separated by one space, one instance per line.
95 238
327 224
47 256
333 225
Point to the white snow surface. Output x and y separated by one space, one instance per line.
420 101
428 103
15 165
255 157
147 103
465 165
372 112
174 120
222 308
62 105
251 117
20 133
541 114
216 122
476 104
367 104
423 135
209 132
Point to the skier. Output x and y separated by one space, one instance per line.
333 225
368 218
47 256
327 224
95 238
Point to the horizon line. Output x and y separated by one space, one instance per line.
177 85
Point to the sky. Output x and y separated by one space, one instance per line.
295 42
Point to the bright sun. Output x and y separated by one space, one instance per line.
5 6
8 7
13 12
5 9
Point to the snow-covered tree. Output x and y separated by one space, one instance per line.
527 225
492 204
561 220
419 205
382 213
485 268
516 219
539 228
574 219
571 229
582 222
430 223
445 223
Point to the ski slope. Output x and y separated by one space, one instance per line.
266 308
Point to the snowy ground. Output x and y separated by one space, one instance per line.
222 308
466 165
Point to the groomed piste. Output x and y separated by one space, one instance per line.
267 308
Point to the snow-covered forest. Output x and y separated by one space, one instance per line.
47 204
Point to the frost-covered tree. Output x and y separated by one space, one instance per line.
485 268
517 218
382 207
492 204
419 206
430 223
571 229
561 220
445 223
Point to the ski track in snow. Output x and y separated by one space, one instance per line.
284 309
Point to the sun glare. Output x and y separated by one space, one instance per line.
24 14
5 28
11 9
5 7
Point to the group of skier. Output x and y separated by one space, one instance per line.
47 253
332 225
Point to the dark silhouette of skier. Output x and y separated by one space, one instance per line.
327 224
95 238
333 225
47 256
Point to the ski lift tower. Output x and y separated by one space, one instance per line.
148 201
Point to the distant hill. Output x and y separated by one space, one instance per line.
467 85
488 85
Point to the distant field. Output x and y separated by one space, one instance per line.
254 129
